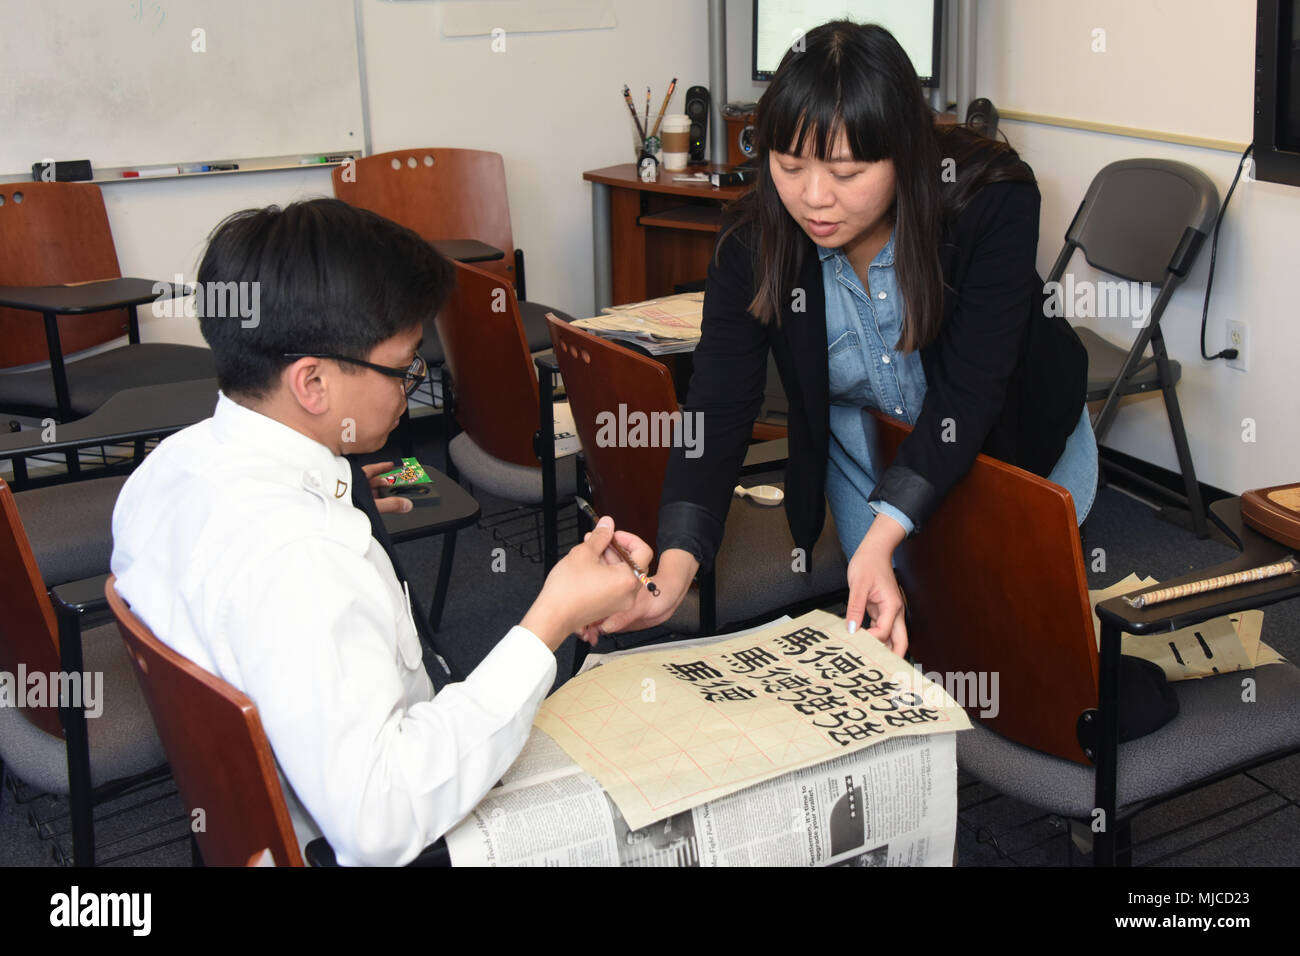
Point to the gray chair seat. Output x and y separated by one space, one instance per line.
95 379
503 479
70 527
754 568
1105 361
1213 732
533 316
123 741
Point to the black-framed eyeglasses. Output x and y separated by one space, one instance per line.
413 374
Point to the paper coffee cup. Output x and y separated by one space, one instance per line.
675 134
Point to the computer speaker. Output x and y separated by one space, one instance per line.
982 117
697 108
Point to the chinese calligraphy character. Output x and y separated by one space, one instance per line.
919 716
749 660
853 732
692 671
856 714
830 665
725 690
861 687
816 705
782 678
799 641
899 701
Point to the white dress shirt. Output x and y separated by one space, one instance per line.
237 542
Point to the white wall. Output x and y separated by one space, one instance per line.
551 104
1156 49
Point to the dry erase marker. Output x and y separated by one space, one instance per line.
618 548
156 171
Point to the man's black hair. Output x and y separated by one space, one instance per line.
331 279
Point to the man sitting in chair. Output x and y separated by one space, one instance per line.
237 541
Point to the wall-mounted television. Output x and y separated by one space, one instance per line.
1277 91
917 25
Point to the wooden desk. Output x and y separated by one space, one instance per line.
647 237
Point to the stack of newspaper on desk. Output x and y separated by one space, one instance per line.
660 326
795 744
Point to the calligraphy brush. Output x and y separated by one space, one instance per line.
667 96
627 98
641 576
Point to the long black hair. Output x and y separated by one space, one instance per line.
857 78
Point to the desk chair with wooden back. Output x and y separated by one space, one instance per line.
755 572
220 757
447 194
492 389
996 585
219 754
1144 221
56 748
55 233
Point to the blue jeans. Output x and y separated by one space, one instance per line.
1075 470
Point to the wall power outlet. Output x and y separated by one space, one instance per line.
1237 339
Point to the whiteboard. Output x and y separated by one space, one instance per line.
145 82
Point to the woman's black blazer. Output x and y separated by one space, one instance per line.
1002 378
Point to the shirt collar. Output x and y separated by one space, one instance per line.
305 462
884 258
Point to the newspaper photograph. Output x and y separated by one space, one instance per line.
894 804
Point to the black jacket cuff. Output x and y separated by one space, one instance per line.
689 527
907 491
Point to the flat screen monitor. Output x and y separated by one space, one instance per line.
1277 91
916 24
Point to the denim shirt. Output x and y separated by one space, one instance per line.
867 372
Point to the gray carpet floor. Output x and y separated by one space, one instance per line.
1250 819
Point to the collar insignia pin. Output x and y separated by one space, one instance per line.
340 488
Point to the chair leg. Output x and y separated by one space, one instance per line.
81 801
1174 412
448 423
444 579
544 446
1124 844
580 651
406 434
708 602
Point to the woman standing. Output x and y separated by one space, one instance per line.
888 264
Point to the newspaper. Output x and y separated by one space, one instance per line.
894 804
660 326
668 729
567 441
